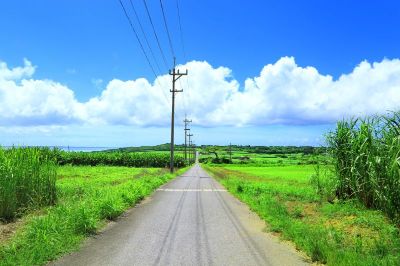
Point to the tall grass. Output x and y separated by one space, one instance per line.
366 159
27 180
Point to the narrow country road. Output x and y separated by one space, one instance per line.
189 221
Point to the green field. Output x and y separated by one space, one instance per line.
260 156
289 173
87 197
336 232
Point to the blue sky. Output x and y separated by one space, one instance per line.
83 45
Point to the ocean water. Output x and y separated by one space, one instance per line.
70 148
87 149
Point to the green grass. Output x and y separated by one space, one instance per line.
87 198
337 233
27 180
296 173
260 159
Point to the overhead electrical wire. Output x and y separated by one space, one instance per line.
155 34
184 99
142 48
137 38
166 28
145 37
180 29
183 50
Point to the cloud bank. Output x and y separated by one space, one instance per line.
282 93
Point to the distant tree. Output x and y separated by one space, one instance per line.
213 150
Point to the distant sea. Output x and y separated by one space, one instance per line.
87 149
70 148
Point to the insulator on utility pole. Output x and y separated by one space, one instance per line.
175 76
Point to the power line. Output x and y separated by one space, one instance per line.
143 50
138 39
180 29
166 28
183 49
144 35
155 34
184 99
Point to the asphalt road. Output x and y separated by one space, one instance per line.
189 221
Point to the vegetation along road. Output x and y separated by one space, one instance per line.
192 220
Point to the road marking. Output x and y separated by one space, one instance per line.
190 190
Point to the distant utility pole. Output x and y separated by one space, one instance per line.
194 152
191 151
175 76
190 144
230 152
186 121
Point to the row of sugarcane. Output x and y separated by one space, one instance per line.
366 160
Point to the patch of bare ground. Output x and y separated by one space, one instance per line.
352 229
8 230
221 173
302 209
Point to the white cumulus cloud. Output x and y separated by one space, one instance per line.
25 101
18 72
283 93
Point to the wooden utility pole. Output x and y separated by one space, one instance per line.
230 152
186 121
175 76
193 152
190 144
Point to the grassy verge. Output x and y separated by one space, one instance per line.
87 198
337 233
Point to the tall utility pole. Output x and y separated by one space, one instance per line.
175 76
186 121
190 144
